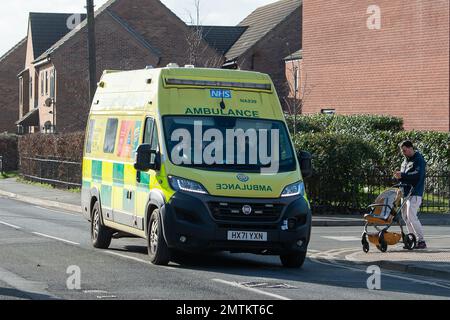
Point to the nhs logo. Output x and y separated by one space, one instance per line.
220 94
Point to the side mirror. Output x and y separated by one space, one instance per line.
146 158
305 160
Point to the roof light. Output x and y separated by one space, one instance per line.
173 65
208 83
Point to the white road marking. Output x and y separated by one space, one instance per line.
343 238
95 291
237 285
135 259
56 211
330 256
10 225
55 238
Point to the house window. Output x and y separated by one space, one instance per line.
48 127
110 135
52 83
42 83
46 82
31 88
21 91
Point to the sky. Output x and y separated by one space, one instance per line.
14 21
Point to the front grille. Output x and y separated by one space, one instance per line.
234 226
261 212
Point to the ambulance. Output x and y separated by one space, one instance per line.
194 159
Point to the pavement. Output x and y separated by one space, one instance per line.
434 262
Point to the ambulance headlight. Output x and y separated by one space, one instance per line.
294 189
181 184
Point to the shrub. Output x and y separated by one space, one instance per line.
8 150
56 150
340 163
353 124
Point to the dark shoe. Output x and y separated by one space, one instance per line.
421 245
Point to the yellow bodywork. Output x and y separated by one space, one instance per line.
132 96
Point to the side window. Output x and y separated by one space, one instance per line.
90 136
110 135
130 131
151 134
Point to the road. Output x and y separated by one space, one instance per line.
41 249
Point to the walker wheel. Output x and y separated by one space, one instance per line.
366 247
382 244
365 243
410 241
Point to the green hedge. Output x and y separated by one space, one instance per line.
434 146
354 124
383 133
354 157
340 165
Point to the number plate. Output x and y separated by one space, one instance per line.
247 236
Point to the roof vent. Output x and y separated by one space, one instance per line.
173 65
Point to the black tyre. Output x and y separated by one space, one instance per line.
382 243
410 241
100 235
293 260
157 247
366 247
365 243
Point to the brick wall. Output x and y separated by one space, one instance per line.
268 54
116 50
10 66
163 29
402 69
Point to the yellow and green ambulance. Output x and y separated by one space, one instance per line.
194 159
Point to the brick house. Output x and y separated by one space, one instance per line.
378 57
294 66
37 81
130 34
11 63
272 33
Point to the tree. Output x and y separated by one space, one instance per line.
198 50
297 88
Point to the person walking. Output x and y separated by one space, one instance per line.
413 171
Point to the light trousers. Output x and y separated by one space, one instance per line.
409 214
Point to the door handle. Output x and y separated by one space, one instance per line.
138 176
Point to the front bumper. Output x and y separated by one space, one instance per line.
190 216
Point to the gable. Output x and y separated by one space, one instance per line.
47 28
260 22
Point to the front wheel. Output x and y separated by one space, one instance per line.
100 235
410 241
293 260
157 247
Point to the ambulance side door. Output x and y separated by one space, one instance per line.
144 178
